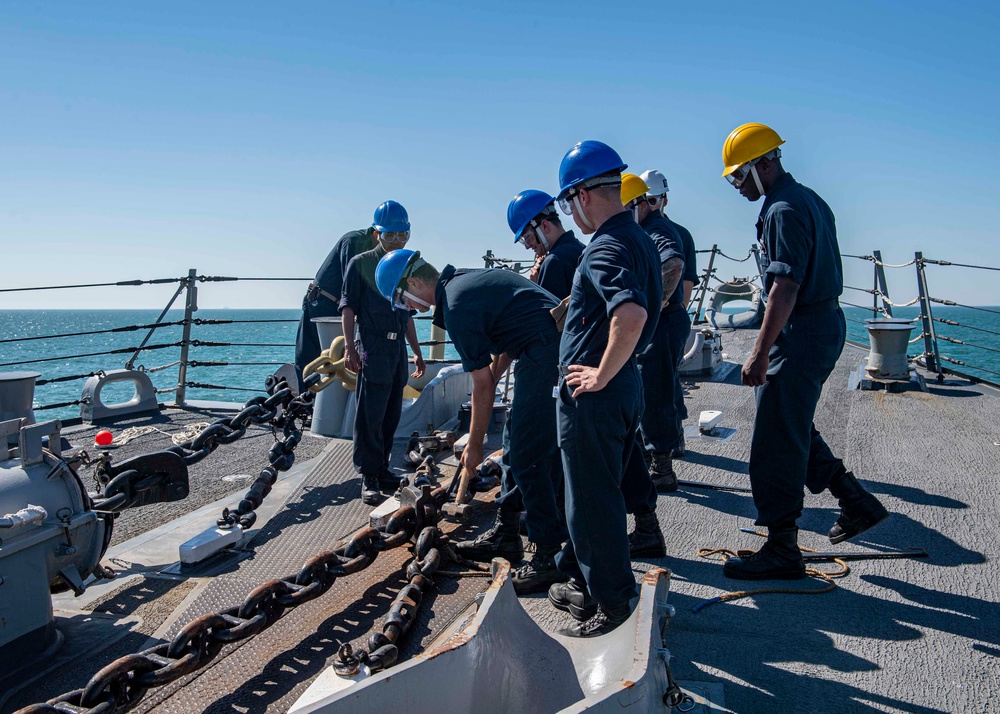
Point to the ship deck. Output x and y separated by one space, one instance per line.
907 635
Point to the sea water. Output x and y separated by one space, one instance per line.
258 341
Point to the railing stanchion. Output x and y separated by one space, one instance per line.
190 308
932 357
880 285
704 283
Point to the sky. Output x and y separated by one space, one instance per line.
140 140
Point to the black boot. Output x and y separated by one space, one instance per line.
859 510
678 452
778 559
604 621
370 491
502 540
539 573
572 597
390 480
646 541
661 471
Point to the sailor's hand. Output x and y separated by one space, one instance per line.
352 358
584 379
536 268
472 457
418 361
754 371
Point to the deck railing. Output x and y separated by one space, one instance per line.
882 305
189 343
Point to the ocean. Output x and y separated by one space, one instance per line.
260 340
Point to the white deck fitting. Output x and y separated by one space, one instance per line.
502 661
208 543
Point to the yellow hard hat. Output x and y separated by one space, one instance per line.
746 143
632 188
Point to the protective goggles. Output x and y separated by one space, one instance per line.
654 201
395 236
737 177
566 202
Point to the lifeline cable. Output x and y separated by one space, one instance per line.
726 553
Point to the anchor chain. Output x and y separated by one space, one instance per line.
383 650
122 684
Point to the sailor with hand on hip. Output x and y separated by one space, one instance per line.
613 310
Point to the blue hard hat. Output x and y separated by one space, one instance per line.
585 161
390 217
392 268
523 209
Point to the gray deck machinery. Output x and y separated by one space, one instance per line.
53 532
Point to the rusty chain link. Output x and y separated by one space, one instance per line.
122 684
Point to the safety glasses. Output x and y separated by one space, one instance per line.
654 201
395 236
566 203
529 234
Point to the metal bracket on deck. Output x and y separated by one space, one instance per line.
144 400
502 661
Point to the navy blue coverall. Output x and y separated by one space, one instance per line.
597 430
329 280
381 330
556 276
491 312
798 239
658 363
690 275
559 266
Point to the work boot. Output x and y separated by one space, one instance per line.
678 452
370 491
646 541
390 480
604 621
502 540
778 559
572 597
859 510
661 470
539 573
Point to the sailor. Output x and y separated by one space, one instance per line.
658 363
613 309
494 317
657 198
533 218
322 298
797 348
377 353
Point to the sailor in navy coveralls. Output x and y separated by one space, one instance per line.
612 315
797 348
376 334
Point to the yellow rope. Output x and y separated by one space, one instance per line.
726 553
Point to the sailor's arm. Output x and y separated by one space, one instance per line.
350 350
483 390
626 325
500 364
780 303
418 355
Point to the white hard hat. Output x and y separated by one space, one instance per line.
656 181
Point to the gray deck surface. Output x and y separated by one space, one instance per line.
897 635
905 635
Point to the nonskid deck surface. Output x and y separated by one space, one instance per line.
897 635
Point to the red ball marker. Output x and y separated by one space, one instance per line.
103 438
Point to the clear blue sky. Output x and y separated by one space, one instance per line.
138 140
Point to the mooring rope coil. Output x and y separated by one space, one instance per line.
826 576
